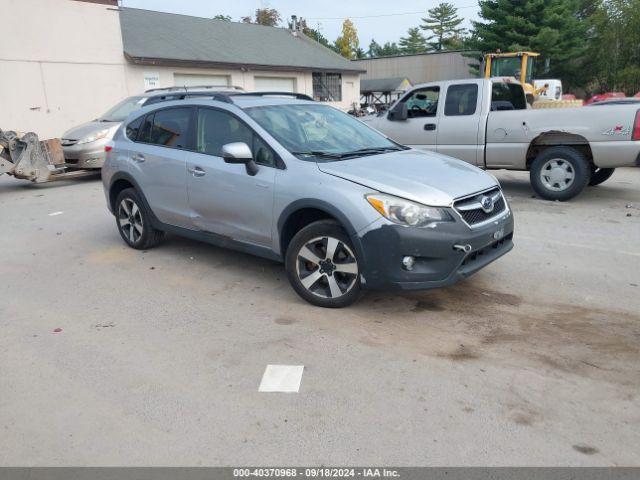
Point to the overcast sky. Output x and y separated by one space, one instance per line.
329 14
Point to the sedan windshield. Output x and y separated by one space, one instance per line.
123 109
320 132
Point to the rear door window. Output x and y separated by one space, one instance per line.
170 127
461 100
507 96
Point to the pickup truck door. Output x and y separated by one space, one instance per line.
420 129
458 128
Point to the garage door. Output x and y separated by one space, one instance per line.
194 80
274 84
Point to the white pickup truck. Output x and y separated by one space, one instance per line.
486 122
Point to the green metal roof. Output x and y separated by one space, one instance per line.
151 37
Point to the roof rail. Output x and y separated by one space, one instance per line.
192 87
299 96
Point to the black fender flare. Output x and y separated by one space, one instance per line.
129 178
326 207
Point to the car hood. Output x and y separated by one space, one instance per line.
425 177
76 133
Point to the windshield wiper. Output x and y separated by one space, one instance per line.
318 153
369 150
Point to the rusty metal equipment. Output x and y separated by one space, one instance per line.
25 156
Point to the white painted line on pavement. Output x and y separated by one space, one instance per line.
281 378
55 213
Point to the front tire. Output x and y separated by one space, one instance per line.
559 173
600 175
134 221
322 265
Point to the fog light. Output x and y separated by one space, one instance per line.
407 262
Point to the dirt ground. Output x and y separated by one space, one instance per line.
158 357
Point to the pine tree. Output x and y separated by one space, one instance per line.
414 42
374 49
444 24
550 27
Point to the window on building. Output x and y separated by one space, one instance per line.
170 127
461 100
327 87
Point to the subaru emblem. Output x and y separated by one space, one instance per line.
486 203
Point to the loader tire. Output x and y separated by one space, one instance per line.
133 220
559 173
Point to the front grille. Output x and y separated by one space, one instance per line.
479 254
472 212
68 142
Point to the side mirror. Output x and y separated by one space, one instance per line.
400 111
240 152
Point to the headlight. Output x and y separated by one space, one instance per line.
94 136
405 212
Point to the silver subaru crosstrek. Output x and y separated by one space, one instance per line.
289 179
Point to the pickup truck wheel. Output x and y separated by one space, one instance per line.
322 265
134 221
559 173
600 175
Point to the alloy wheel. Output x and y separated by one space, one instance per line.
557 174
327 267
130 220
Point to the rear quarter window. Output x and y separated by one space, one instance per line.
133 128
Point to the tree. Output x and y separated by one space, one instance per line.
612 59
374 49
550 27
224 18
348 44
264 16
444 24
414 42
390 48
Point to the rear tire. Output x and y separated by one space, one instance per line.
600 175
322 265
134 221
559 173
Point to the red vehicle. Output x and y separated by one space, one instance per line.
637 95
605 96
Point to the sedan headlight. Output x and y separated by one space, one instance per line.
92 137
405 212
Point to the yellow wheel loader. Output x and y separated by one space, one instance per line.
545 93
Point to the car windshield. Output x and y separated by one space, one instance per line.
122 109
320 132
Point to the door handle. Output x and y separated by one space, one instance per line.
138 157
429 126
197 172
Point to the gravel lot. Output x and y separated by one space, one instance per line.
533 361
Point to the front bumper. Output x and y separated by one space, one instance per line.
437 262
85 155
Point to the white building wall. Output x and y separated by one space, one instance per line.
61 64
